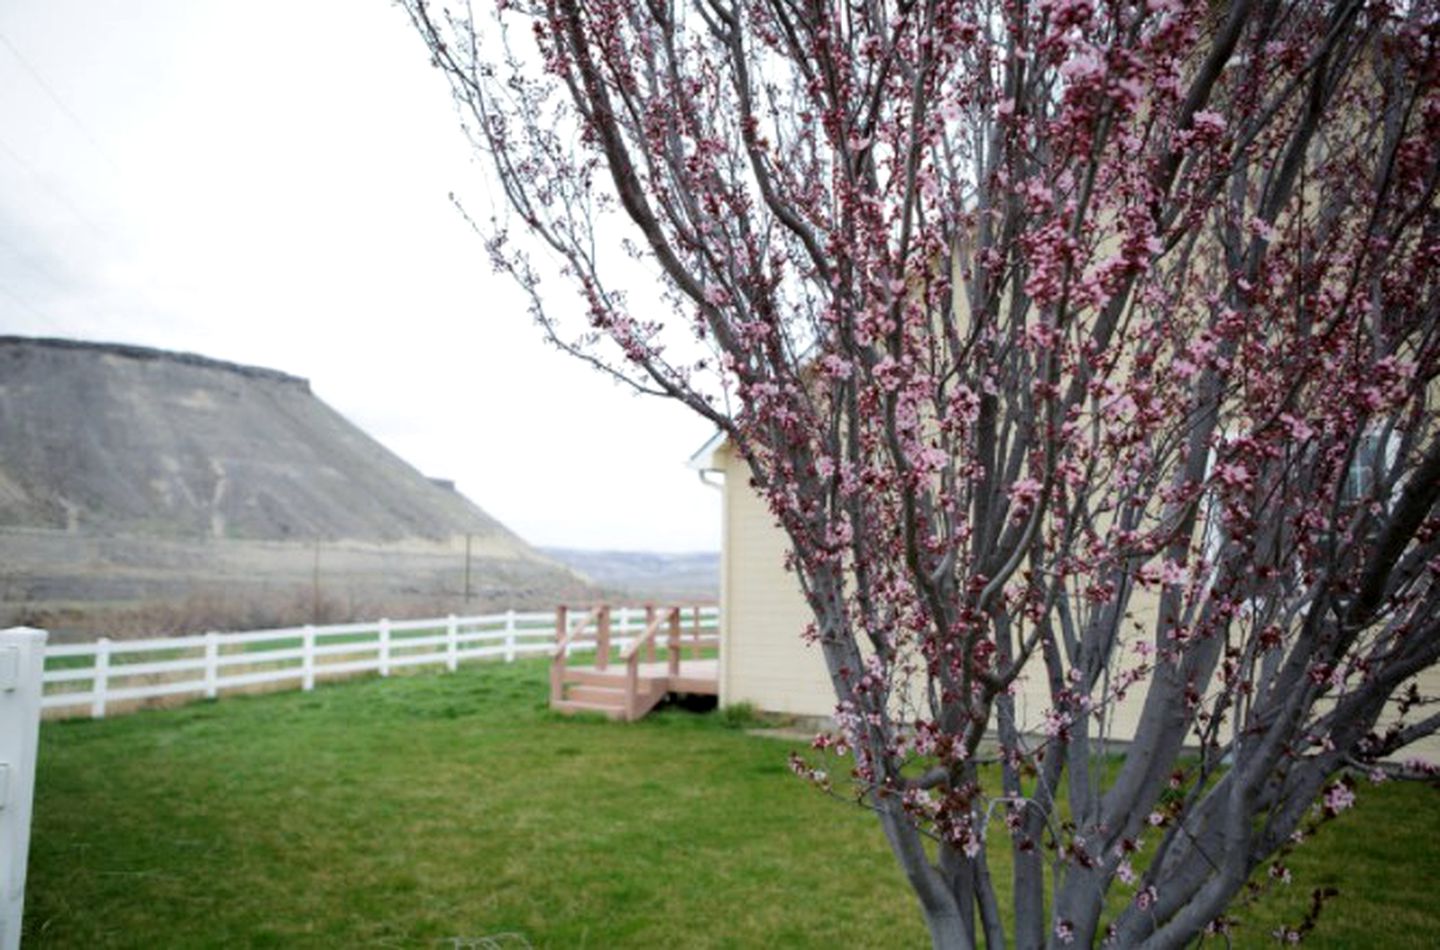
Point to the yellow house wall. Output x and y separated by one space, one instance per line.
763 659
765 662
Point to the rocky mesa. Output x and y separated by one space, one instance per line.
133 477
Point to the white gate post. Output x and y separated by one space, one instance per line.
510 636
22 669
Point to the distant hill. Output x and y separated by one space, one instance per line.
131 475
647 575
121 439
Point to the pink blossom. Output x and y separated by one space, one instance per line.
972 844
1024 492
1208 125
1057 724
1183 368
888 374
965 404
835 367
1299 429
1338 798
1083 69
1172 572
1233 475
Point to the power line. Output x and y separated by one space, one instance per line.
102 235
101 232
54 97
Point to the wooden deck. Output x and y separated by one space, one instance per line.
631 687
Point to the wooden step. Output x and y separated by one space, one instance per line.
601 695
575 706
614 678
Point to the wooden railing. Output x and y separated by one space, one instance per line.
631 657
596 628
568 638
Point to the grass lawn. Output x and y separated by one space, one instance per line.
438 810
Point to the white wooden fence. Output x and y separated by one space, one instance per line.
21 658
94 678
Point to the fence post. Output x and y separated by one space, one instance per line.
212 664
22 674
557 662
510 636
385 647
307 658
101 681
452 643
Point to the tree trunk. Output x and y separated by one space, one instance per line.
938 903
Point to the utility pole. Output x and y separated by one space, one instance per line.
315 586
467 568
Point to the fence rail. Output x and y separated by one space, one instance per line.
94 677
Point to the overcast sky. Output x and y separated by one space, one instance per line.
266 181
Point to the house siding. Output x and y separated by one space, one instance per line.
766 663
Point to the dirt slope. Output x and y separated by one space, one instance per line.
130 475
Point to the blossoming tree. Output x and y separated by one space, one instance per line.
1090 342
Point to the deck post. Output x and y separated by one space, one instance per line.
674 641
649 619
632 688
602 646
557 662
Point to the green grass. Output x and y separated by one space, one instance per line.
422 810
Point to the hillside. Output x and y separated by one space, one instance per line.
647 575
130 476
